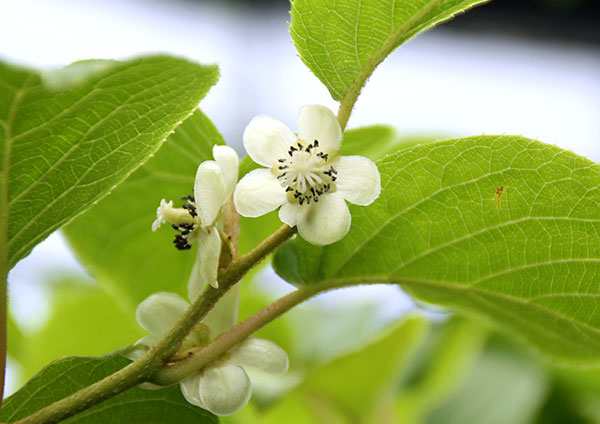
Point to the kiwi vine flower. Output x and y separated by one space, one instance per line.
304 176
200 218
223 387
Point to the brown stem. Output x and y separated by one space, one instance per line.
156 357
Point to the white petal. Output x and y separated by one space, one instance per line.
325 222
225 389
319 123
225 313
228 160
160 219
288 214
159 312
262 354
207 262
358 179
143 344
267 139
209 191
258 193
190 389
157 223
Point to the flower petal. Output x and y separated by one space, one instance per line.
258 193
325 222
209 191
190 389
266 140
225 313
224 390
358 179
159 312
262 354
206 266
228 160
317 122
288 214
140 348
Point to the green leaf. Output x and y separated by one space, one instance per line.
528 261
343 41
501 389
376 141
355 383
444 366
16 339
63 150
114 239
135 406
84 320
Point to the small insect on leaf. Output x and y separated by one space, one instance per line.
499 193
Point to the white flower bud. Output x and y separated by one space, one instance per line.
221 390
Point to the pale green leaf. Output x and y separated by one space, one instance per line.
16 339
114 238
528 260
63 150
502 388
84 320
352 385
135 406
343 41
445 364
375 141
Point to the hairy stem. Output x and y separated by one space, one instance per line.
156 357
201 357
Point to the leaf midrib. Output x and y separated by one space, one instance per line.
72 187
4 184
388 46
77 145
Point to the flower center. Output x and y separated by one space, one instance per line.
306 173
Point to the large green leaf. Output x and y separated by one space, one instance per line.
62 149
502 388
352 385
84 320
444 363
343 41
528 260
135 406
114 239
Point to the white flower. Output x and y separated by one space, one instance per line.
200 218
223 387
305 176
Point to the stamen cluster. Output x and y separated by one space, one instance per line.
182 240
306 173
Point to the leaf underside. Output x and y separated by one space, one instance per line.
527 258
65 144
342 41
